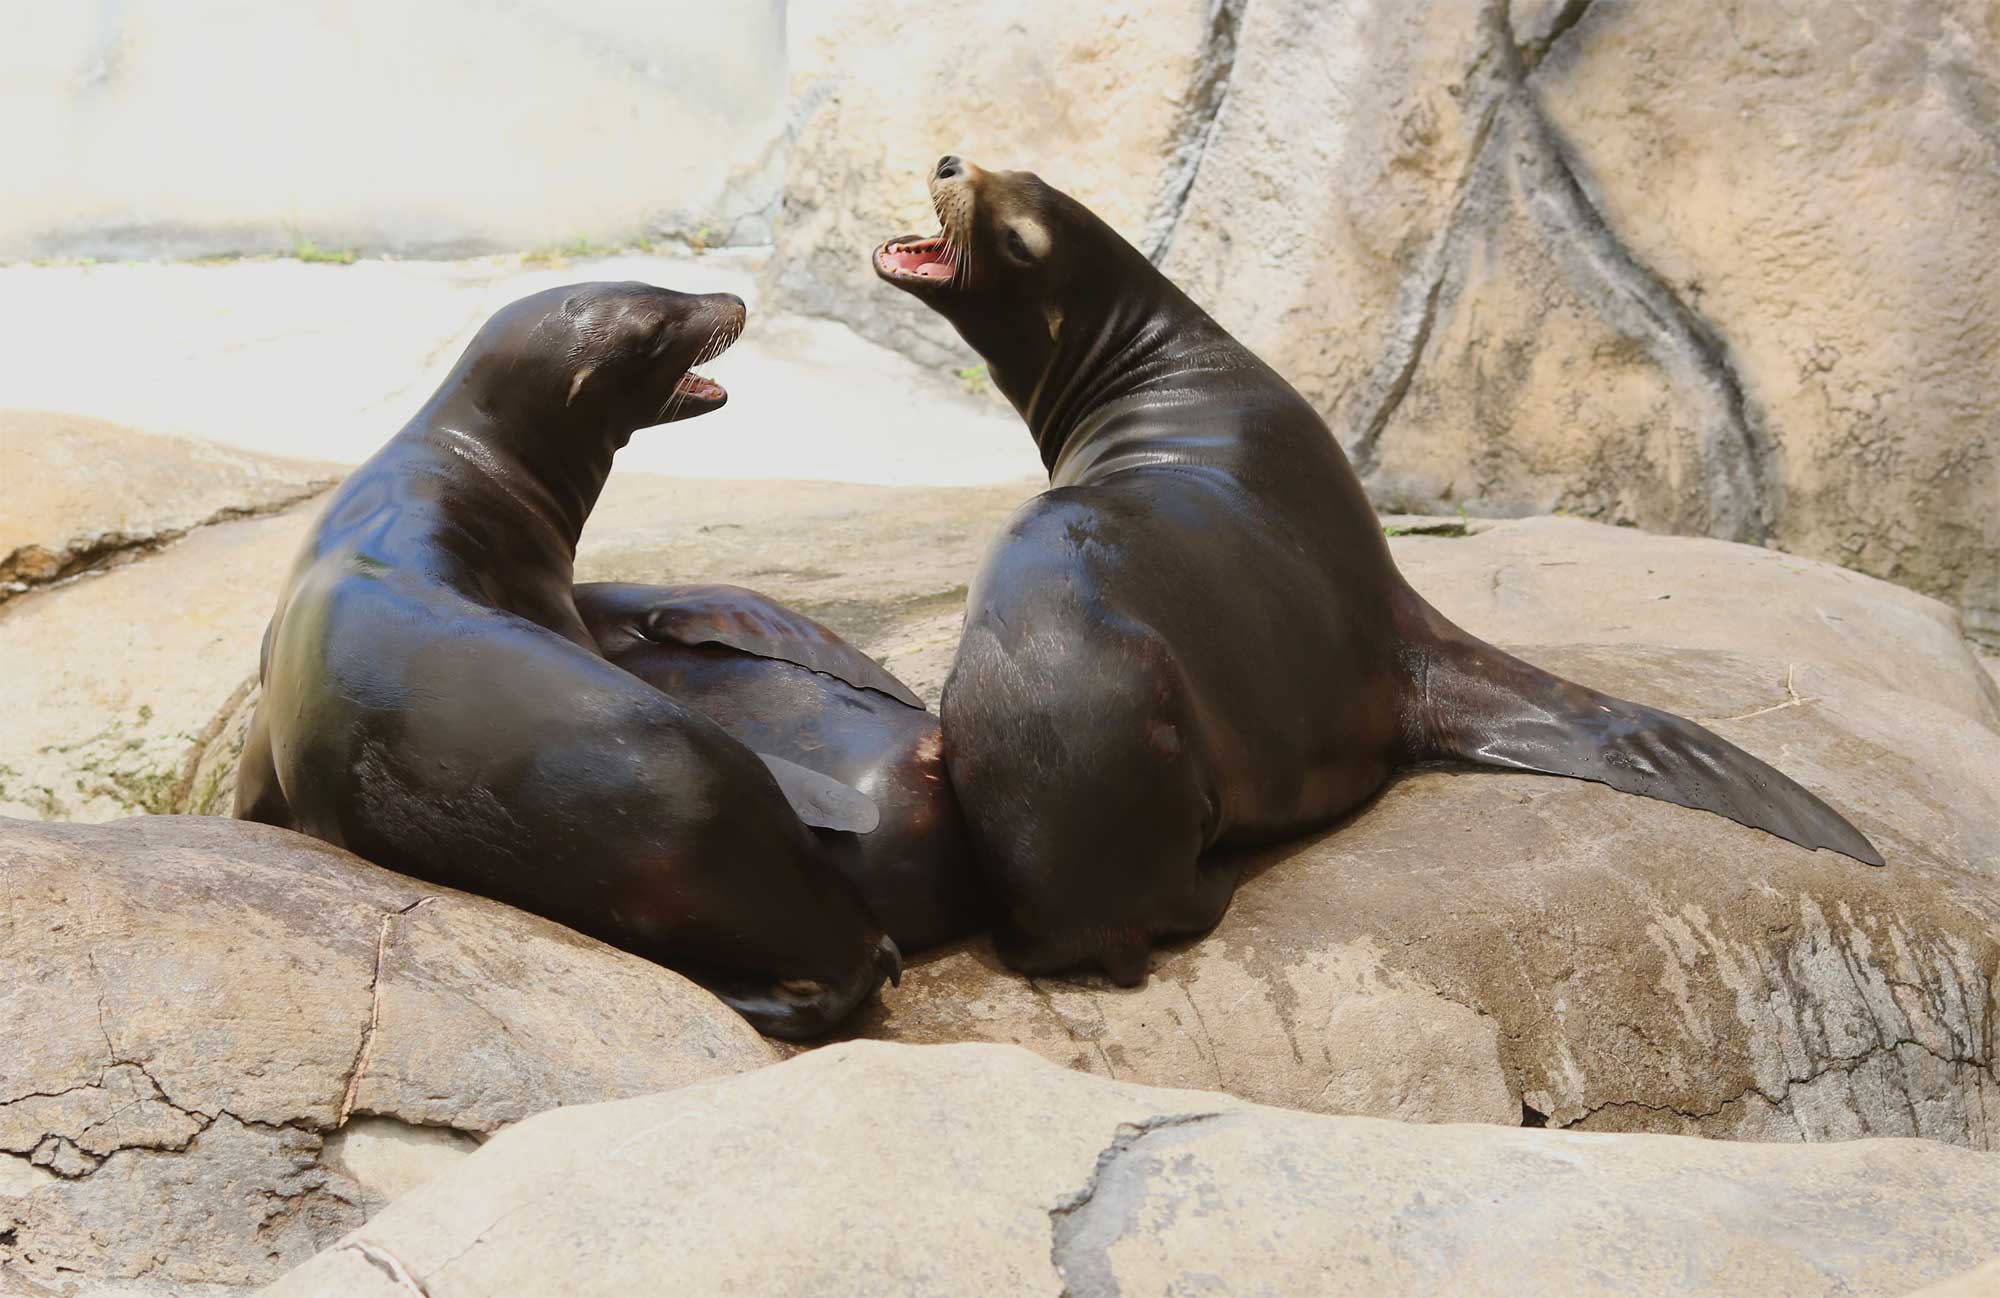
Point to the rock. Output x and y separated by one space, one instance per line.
1981 1282
244 1041
1501 948
882 1170
120 675
1110 101
86 492
1557 580
1762 172
1332 170
1646 264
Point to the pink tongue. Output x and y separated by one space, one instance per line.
935 269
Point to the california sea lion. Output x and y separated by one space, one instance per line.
1197 637
782 683
433 702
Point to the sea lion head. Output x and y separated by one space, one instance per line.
1025 273
611 356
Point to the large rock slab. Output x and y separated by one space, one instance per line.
114 680
883 1170
1111 101
1556 580
229 1044
1518 948
82 492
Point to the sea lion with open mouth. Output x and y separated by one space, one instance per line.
782 683
1197 638
433 701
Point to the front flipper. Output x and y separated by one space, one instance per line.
1478 704
822 801
734 618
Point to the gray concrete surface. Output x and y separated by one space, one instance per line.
327 361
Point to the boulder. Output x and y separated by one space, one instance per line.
1518 948
84 493
895 1170
1558 580
116 679
230 1044
1111 101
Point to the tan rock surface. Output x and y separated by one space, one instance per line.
1111 100
883 1170
1819 188
1980 1282
200 1010
82 491
1551 580
1496 948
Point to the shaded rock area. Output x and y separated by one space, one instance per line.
229 1044
883 1170
1673 266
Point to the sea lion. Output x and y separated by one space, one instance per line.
782 683
1197 638
433 702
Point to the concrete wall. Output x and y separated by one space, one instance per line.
189 127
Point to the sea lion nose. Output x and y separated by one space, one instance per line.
949 166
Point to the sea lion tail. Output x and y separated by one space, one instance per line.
1475 703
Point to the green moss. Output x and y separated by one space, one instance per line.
308 251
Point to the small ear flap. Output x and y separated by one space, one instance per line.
822 801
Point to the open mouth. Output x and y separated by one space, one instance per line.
913 260
697 394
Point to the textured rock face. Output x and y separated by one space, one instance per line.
1672 266
873 1169
1478 946
229 1044
1111 100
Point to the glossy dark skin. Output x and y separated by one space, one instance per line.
1197 638
433 702
782 683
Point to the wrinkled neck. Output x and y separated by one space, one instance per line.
552 474
1130 353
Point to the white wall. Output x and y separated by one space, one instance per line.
183 127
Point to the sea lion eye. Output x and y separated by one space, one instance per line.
1016 247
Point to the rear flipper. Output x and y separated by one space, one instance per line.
1474 703
822 801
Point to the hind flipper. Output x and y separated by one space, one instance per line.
822 801
1478 704
734 618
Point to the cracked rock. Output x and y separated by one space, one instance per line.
892 1170
186 1099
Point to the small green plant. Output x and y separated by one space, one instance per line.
306 250
973 377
